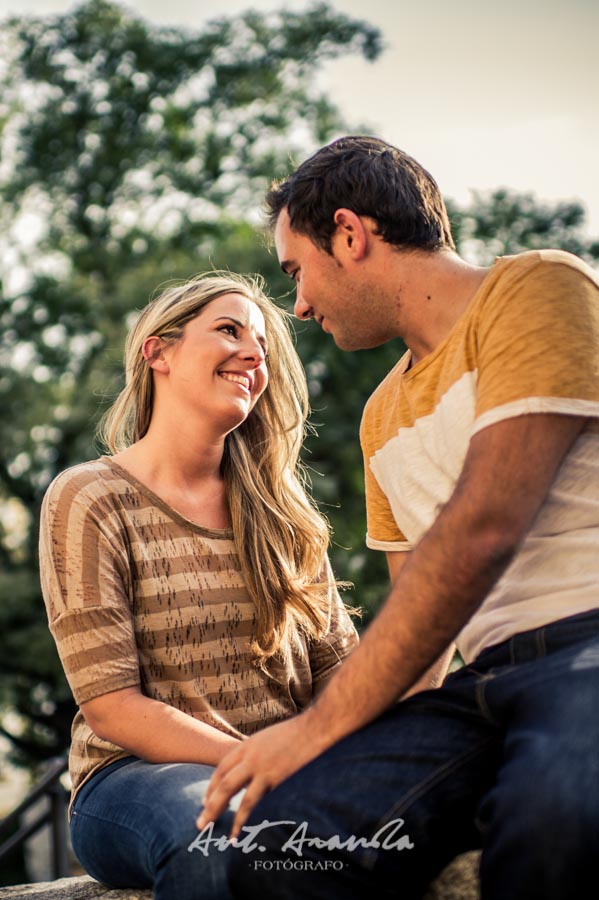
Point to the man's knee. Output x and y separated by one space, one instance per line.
544 819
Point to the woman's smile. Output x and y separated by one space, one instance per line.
245 380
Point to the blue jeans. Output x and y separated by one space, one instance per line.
504 756
132 825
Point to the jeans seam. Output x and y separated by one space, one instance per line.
481 699
371 856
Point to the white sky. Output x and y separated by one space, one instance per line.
485 94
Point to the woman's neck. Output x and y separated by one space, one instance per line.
187 478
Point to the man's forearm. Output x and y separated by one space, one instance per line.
447 577
422 615
435 675
452 569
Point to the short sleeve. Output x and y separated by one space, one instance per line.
84 578
538 344
383 532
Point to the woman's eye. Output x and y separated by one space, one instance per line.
229 329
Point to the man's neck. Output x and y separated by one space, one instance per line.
441 288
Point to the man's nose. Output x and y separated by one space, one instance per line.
301 309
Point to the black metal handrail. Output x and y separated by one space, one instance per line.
55 817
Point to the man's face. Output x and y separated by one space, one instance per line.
331 289
314 271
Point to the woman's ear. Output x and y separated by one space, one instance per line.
350 235
152 351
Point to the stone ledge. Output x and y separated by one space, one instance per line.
459 881
80 888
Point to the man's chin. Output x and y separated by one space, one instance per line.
364 341
345 342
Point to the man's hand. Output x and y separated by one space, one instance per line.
261 763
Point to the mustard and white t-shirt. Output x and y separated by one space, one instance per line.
528 343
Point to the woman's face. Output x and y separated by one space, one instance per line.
218 367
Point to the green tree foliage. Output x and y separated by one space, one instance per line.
502 222
131 154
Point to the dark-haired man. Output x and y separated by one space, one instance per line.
481 454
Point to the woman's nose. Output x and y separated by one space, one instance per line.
254 349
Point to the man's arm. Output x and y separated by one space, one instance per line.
508 471
434 676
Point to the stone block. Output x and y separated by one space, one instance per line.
459 881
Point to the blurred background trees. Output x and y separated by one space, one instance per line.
132 155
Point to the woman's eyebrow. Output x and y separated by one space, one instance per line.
261 337
231 319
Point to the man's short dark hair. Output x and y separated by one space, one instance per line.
373 179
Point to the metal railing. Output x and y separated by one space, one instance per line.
55 817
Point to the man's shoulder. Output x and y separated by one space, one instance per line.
536 283
523 265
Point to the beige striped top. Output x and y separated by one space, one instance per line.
138 595
528 343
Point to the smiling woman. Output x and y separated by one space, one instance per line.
226 341
186 580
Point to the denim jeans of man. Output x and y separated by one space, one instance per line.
504 756
133 824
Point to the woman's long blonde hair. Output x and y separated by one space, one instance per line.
280 536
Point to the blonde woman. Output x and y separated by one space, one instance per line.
186 581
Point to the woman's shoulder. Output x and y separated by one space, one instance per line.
90 481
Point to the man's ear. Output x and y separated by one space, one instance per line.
152 351
351 234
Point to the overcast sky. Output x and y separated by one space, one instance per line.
483 93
